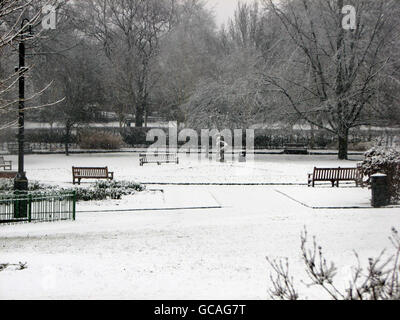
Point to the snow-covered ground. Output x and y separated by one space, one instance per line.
56 169
172 253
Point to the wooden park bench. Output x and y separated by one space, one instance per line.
295 148
91 173
6 165
334 175
158 158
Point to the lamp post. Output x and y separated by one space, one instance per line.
21 182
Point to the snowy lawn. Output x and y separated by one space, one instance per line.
56 169
182 254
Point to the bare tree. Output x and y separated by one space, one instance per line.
234 93
246 28
331 77
188 53
233 97
130 33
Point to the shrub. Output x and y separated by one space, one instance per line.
387 161
100 140
360 146
262 141
102 190
380 280
7 185
135 136
55 135
322 140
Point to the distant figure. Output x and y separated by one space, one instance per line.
221 145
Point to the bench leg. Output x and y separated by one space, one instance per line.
333 183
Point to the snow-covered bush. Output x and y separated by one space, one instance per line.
107 190
387 161
101 190
7 185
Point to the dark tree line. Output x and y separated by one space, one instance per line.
291 62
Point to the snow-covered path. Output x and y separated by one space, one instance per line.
184 254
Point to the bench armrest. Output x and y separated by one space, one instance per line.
111 175
309 178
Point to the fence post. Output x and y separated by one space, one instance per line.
20 204
16 208
29 208
73 205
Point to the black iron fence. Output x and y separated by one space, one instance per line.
35 207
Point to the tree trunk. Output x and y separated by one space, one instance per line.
141 106
67 139
343 132
51 133
139 116
312 137
343 139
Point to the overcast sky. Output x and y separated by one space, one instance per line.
224 9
